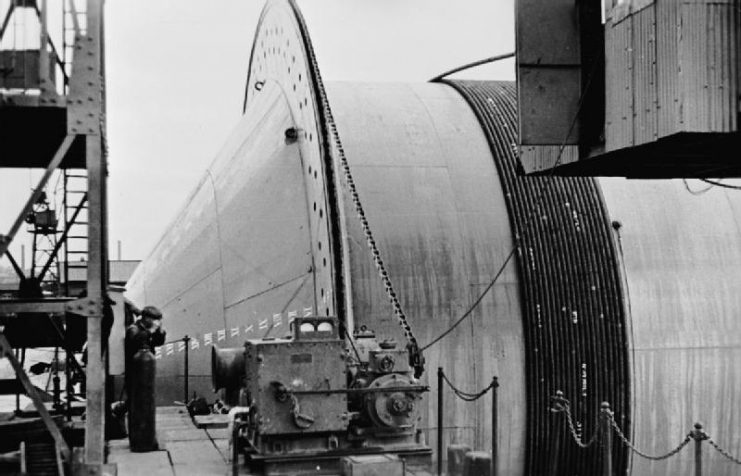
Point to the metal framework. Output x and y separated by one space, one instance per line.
69 113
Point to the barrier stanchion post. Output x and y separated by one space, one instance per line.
699 436
439 421
494 424
606 420
186 373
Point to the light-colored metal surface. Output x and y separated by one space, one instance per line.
681 254
238 257
431 192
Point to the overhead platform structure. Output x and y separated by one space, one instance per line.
52 117
643 89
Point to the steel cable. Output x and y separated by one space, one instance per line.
721 184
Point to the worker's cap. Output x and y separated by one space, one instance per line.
151 312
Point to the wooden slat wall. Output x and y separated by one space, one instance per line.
671 66
645 126
619 85
667 32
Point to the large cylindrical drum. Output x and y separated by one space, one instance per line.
142 428
606 289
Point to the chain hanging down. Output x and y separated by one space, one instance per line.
561 405
466 396
635 450
415 354
723 452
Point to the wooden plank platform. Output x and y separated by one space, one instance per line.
184 449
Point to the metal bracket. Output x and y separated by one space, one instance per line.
88 307
84 105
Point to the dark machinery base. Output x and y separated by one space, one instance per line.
329 462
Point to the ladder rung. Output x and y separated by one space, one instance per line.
76 176
77 237
76 252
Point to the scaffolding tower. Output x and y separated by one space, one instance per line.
52 117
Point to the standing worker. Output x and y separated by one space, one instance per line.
146 332
141 338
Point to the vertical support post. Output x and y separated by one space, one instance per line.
95 381
186 372
57 390
605 419
86 84
699 436
494 426
68 384
18 380
44 48
439 421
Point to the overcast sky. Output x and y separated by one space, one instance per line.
176 72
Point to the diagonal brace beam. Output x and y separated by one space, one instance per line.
6 21
5 240
14 263
7 352
63 238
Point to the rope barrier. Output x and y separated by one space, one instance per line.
559 404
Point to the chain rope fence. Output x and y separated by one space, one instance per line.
442 381
466 396
608 426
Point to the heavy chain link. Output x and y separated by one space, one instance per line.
469 397
630 445
415 353
572 428
723 452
